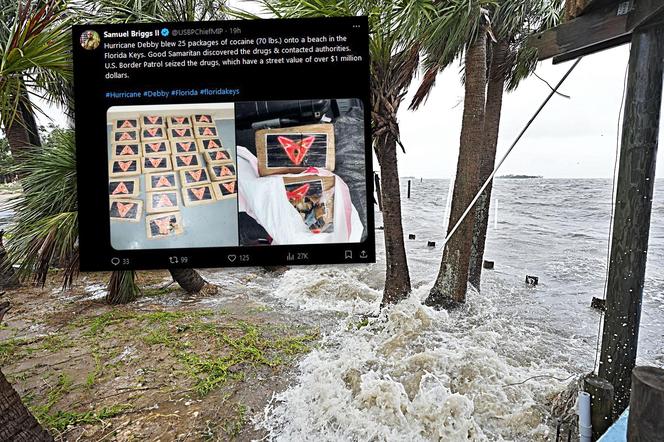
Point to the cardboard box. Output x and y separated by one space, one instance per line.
294 149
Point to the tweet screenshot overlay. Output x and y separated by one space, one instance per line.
217 144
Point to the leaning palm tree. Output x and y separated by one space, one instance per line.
461 27
394 52
510 61
498 29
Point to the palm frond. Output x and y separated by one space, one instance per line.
44 230
130 11
34 55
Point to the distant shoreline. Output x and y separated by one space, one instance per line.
520 177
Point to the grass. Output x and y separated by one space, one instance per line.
232 427
61 420
202 352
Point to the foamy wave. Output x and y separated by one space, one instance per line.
335 288
416 374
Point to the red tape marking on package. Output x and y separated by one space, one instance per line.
296 151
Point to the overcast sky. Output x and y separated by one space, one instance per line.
571 138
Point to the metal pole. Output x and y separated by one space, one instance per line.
633 205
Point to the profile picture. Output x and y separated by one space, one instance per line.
90 40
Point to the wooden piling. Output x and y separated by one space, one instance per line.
408 189
646 409
601 403
633 206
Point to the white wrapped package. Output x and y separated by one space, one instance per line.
264 199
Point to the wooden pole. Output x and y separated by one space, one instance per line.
601 403
646 410
408 189
633 206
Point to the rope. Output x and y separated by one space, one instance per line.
613 203
554 91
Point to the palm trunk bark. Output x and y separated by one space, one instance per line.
188 279
397 277
8 278
494 105
450 287
17 424
122 287
22 132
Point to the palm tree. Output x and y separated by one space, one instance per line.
44 231
460 26
34 62
499 30
511 61
394 51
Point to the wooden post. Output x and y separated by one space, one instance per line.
408 189
601 403
634 193
379 195
646 409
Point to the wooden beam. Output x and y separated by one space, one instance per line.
646 417
596 30
633 208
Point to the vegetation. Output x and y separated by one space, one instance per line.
45 228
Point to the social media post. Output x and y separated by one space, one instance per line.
302 165
220 137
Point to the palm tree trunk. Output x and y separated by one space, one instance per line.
397 277
494 105
450 287
122 287
189 279
17 424
22 132
8 276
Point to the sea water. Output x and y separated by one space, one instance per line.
417 374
